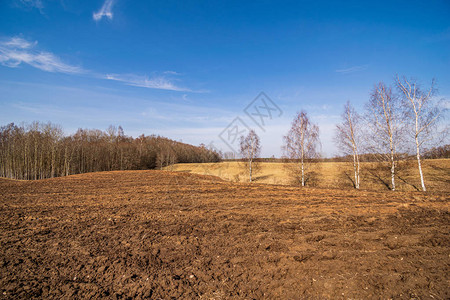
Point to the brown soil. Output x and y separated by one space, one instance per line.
175 235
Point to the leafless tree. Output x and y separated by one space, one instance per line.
422 115
53 134
40 150
348 137
250 149
385 126
229 155
171 158
301 142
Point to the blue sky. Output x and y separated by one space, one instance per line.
187 69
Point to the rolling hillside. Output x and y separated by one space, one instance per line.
333 174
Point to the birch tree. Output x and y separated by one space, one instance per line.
422 115
383 120
348 138
301 142
250 149
41 150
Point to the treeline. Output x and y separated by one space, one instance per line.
433 153
438 152
41 150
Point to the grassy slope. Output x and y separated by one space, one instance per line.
334 174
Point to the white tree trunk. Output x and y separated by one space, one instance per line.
420 166
303 174
250 170
393 170
356 169
418 152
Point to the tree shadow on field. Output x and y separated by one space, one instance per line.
312 170
440 173
345 178
380 173
408 183
437 167
375 174
311 179
259 178
403 170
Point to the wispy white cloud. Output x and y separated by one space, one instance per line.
171 73
445 104
105 11
157 82
30 4
38 109
16 51
317 107
352 69
17 42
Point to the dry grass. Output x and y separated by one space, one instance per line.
334 174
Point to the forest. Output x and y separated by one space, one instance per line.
41 150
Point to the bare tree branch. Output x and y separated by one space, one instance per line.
422 115
250 149
301 142
348 138
385 126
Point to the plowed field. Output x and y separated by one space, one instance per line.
166 235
